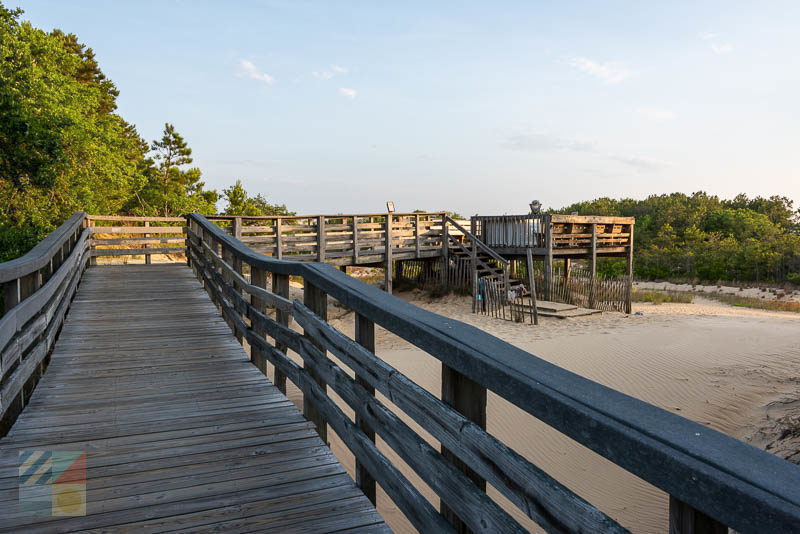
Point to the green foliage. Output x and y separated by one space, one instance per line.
701 236
169 189
660 297
64 149
239 202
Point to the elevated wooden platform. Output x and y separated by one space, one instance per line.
181 431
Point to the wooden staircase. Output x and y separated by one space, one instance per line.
490 271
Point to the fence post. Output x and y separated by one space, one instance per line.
474 267
92 259
317 301
388 253
532 284
321 238
11 293
683 519
280 286
365 336
469 399
237 227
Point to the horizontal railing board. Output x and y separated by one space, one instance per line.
736 483
40 255
137 229
99 252
132 218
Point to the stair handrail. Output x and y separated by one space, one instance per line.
483 246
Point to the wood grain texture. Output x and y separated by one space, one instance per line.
181 431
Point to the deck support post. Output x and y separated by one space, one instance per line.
236 229
388 254
683 519
365 336
469 399
548 258
258 277
317 301
280 286
629 287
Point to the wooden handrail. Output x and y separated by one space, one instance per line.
734 483
40 255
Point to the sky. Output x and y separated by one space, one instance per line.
474 107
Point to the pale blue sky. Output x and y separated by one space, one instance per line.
467 106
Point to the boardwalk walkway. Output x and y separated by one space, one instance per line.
181 431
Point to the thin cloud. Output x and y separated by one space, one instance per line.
349 93
539 142
640 163
656 114
544 143
248 70
721 48
610 72
328 74
716 46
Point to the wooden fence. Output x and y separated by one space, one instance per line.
707 474
121 235
340 239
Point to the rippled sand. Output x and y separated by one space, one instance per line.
711 363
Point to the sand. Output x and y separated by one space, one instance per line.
734 369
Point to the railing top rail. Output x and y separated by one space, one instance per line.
330 216
41 254
481 245
747 488
561 218
126 218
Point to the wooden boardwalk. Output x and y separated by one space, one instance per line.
182 432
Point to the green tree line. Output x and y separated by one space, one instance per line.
704 237
64 147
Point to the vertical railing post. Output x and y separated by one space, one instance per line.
417 244
548 258
280 286
365 336
278 238
593 266
469 399
147 258
92 259
317 301
321 238
388 253
11 295
236 227
258 277
683 519
355 240
445 253
629 288
474 268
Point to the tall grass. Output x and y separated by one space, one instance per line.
660 297
752 302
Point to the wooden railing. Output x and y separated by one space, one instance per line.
565 231
122 235
38 288
339 239
713 480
